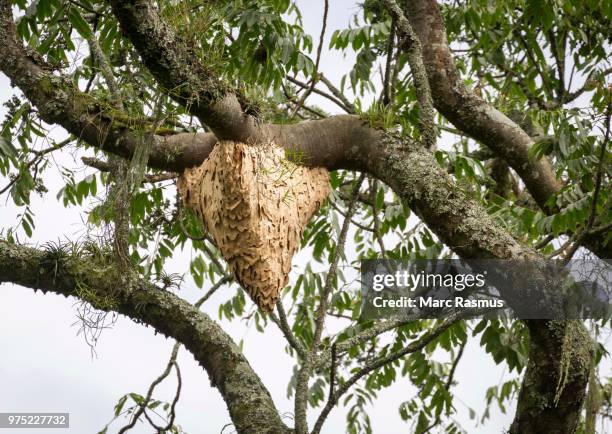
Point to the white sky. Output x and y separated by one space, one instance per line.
46 367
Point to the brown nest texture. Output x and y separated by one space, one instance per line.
255 204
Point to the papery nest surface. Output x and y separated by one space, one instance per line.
255 204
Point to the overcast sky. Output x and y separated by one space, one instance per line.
46 367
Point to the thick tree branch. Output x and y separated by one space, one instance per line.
336 142
93 279
467 229
412 46
474 116
60 102
552 396
339 142
328 142
468 112
177 67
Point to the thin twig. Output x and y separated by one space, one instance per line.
598 182
386 92
301 388
37 159
448 385
348 106
285 328
332 372
375 219
372 366
106 71
370 333
547 239
562 248
104 166
569 97
291 99
331 274
142 407
318 91
344 214
224 279
600 229
313 82
600 170
172 412
204 238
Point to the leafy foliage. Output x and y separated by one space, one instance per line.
546 60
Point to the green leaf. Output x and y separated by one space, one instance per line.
27 228
79 23
7 148
120 404
138 399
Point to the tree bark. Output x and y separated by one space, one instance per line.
553 387
93 278
479 119
470 113
345 142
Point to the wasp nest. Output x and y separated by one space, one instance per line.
255 204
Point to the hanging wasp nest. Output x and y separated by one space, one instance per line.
255 204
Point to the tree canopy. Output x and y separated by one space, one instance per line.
475 129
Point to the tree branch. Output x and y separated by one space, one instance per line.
315 76
177 67
478 119
301 388
348 106
448 384
38 156
322 93
92 277
339 142
412 46
377 363
104 166
470 113
143 406
60 102
283 325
